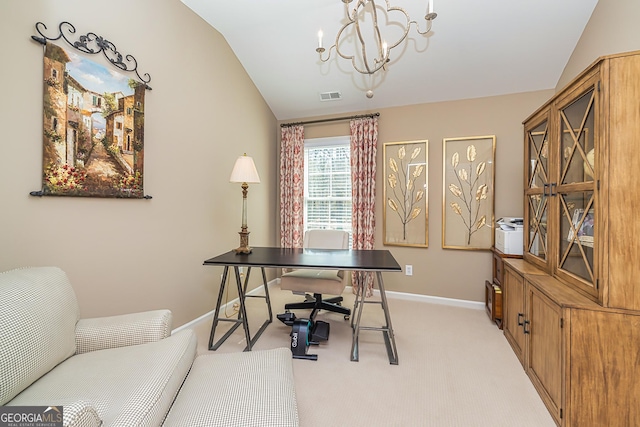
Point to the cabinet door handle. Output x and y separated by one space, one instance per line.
551 192
520 319
525 327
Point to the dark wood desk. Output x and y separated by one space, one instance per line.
377 261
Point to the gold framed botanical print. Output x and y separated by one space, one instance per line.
405 214
468 169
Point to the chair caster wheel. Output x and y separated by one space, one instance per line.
347 317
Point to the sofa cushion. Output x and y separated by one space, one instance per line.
238 389
37 326
132 386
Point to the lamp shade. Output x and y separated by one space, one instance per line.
244 171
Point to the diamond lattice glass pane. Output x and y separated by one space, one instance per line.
577 234
577 155
538 156
538 226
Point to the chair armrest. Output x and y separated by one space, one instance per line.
119 331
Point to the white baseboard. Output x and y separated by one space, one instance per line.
209 315
475 305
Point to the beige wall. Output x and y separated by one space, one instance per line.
200 97
438 272
129 255
613 28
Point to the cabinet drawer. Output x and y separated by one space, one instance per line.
493 302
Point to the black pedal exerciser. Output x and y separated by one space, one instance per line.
304 332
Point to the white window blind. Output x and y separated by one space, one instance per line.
327 184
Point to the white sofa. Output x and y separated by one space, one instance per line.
116 371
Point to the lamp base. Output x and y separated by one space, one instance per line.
244 243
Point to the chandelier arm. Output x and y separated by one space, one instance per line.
407 27
383 54
427 30
336 45
362 43
321 50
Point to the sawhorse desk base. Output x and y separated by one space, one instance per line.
387 329
242 311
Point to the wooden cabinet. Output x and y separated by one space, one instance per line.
572 307
514 314
543 327
582 358
580 179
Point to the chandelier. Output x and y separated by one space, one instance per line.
372 52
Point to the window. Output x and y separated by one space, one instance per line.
327 184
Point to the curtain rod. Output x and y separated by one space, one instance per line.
283 125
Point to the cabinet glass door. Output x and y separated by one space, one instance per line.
537 180
576 192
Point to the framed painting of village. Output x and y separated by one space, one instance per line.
93 135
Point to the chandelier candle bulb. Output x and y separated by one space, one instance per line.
384 51
320 39
430 7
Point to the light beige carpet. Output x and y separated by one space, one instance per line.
455 368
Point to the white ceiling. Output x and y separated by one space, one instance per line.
476 49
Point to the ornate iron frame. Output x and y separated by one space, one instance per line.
94 44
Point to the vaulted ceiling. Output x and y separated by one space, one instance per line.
475 49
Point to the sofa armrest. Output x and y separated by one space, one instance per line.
81 414
119 331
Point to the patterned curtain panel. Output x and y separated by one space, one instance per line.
364 142
291 186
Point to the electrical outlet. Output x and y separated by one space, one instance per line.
408 270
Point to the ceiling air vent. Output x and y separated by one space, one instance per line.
330 96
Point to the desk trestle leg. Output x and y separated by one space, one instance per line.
387 329
242 311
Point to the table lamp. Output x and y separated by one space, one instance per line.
244 171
